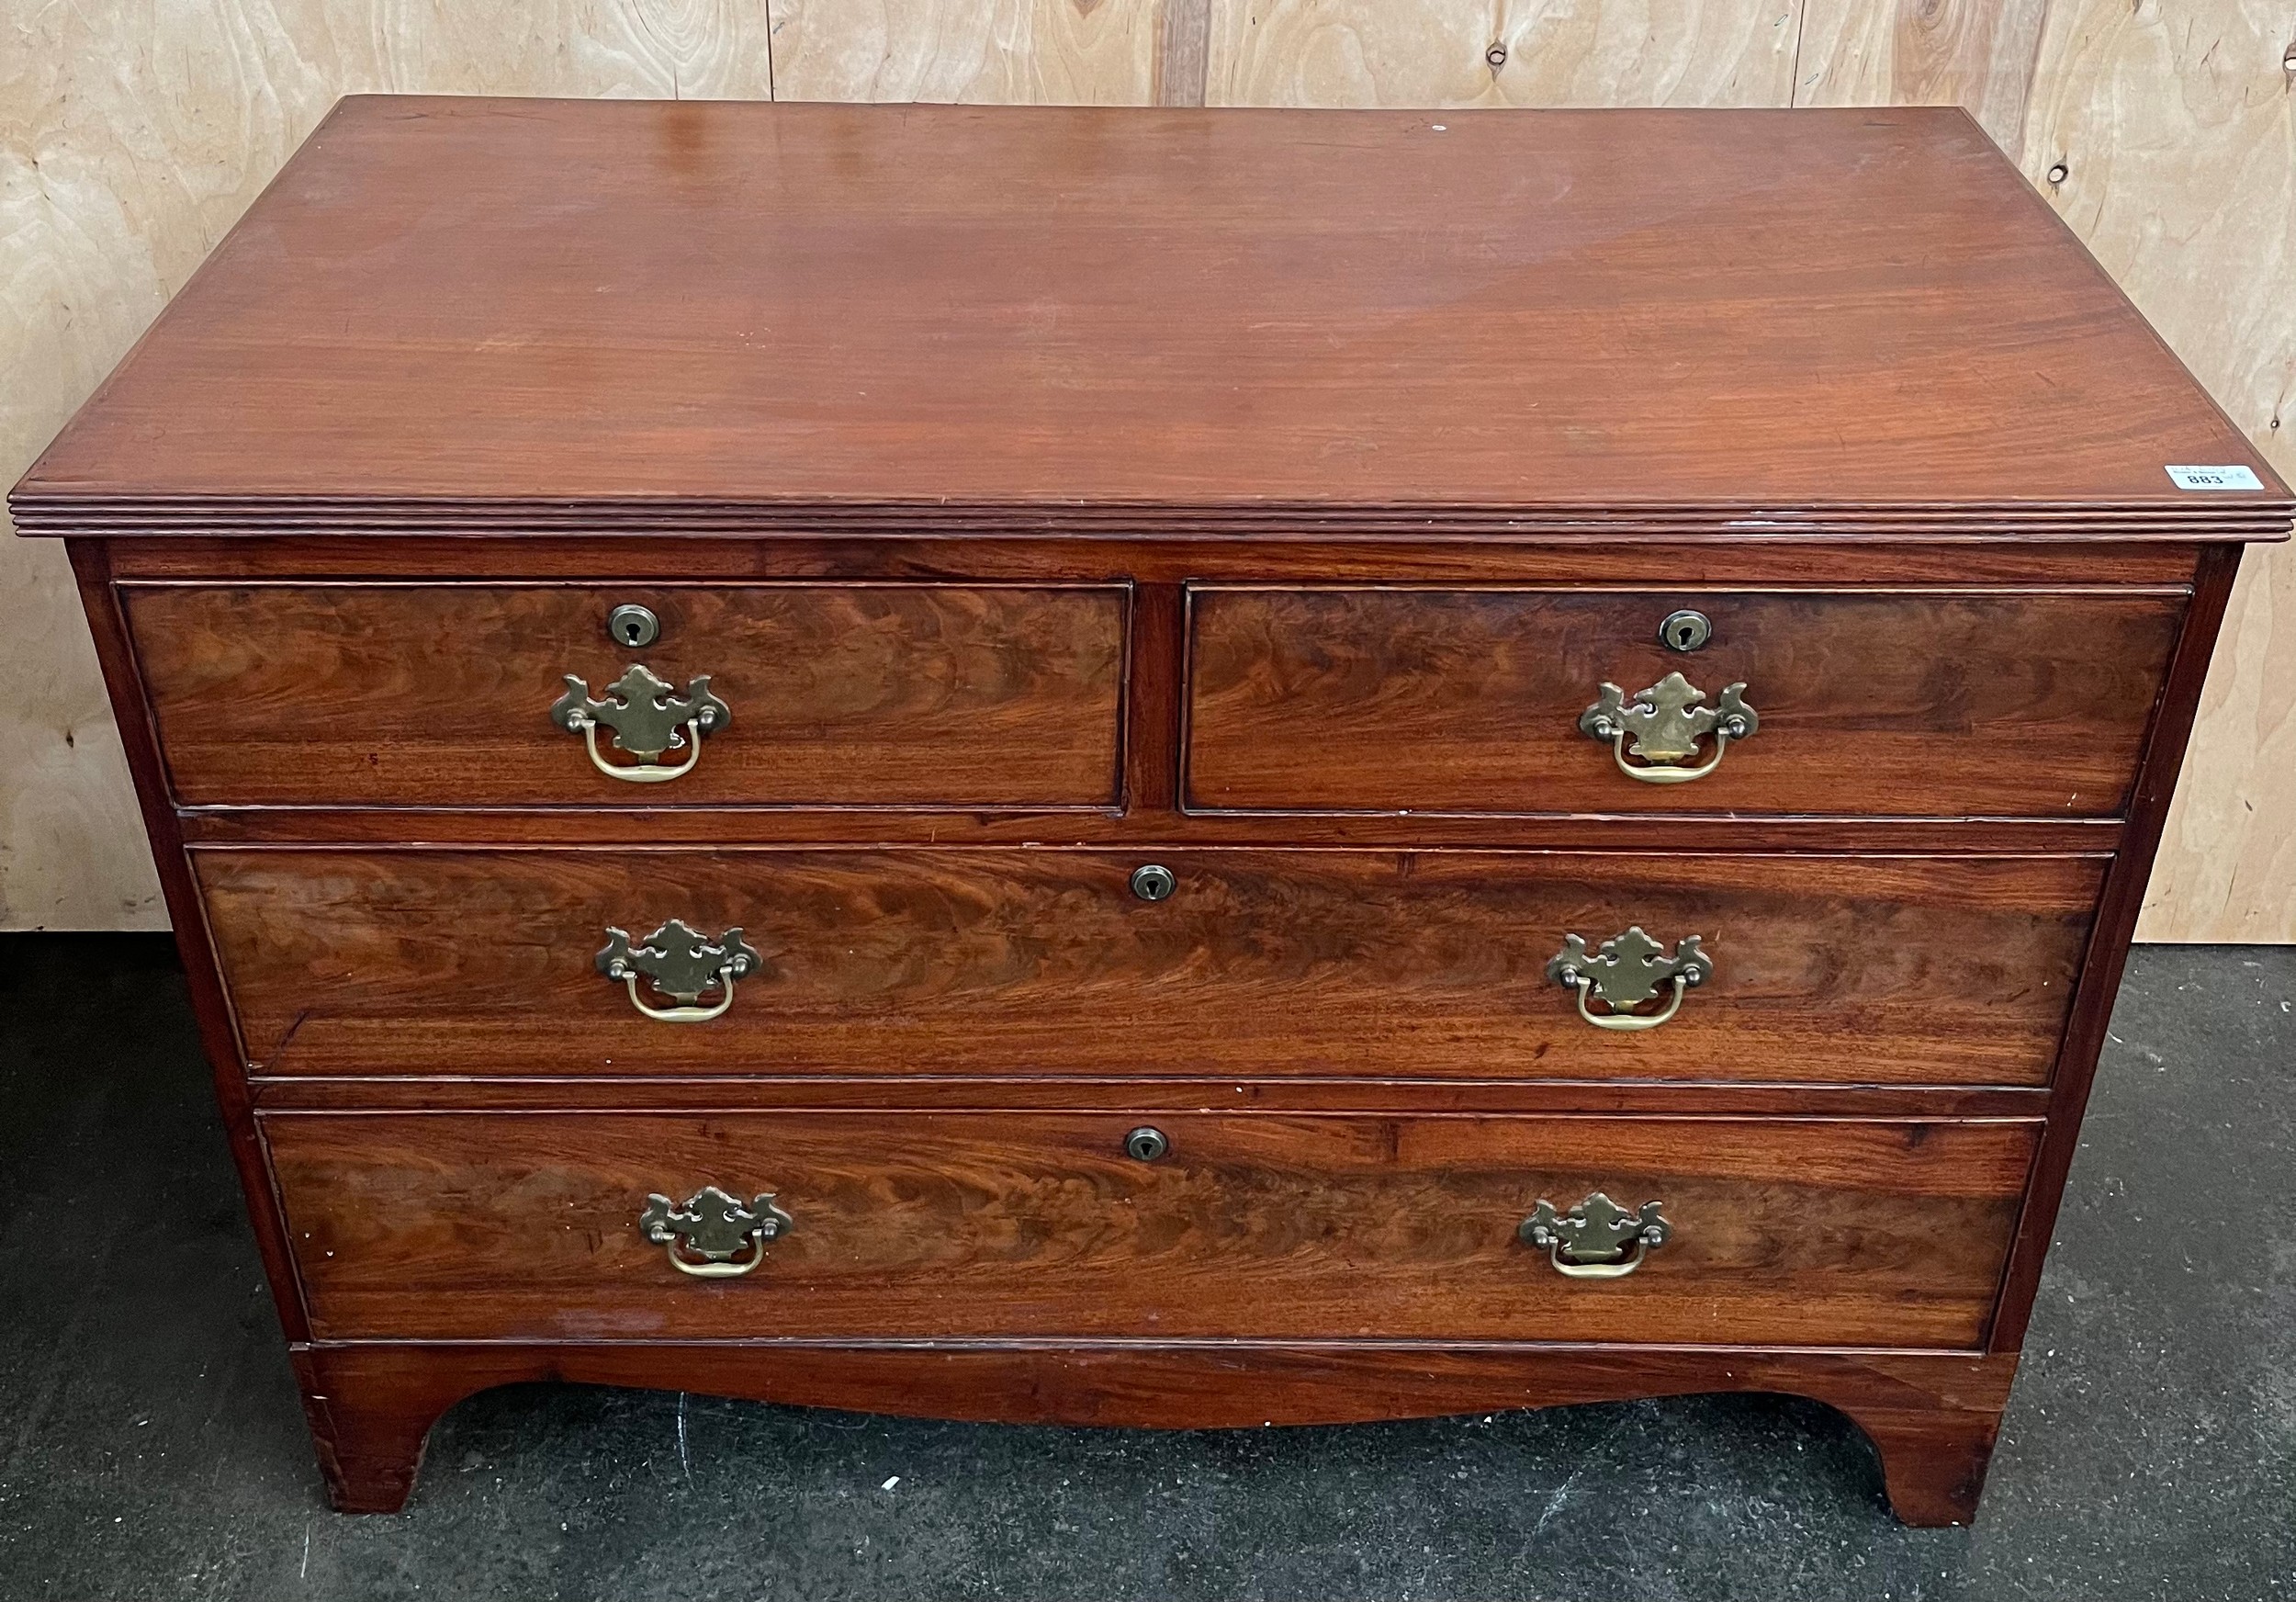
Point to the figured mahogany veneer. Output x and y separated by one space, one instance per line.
1927 705
1812 1232
438 695
1048 493
1941 970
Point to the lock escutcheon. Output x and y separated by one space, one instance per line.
1686 630
1146 1143
1153 882
633 625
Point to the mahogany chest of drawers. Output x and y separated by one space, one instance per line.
1152 768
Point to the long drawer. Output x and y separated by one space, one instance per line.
1448 963
1896 702
447 1226
847 694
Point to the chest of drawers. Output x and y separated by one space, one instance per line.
1156 769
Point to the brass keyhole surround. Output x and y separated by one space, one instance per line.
1146 1143
1686 630
633 625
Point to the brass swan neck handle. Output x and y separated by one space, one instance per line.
1662 726
648 716
1629 971
683 963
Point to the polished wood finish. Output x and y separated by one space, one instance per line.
203 975
439 694
1062 315
1663 834
1144 1093
1933 1415
1815 1232
1276 486
2107 954
1939 561
1420 964
1469 700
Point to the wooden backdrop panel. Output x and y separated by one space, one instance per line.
1062 53
2166 137
2176 127
131 135
1978 54
1502 53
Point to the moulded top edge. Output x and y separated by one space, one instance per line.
2249 519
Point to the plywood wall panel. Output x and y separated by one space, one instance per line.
1061 53
133 134
1502 53
1183 54
1978 54
2176 127
2227 867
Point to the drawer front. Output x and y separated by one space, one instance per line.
1897 970
1897 704
905 695
450 1226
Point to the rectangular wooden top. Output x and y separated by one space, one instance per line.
537 313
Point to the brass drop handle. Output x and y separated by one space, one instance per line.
1665 724
1629 971
682 964
1598 1239
647 718
707 1236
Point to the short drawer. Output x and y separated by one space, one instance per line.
1906 704
1840 970
453 1225
854 695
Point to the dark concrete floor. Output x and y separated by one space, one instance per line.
151 1445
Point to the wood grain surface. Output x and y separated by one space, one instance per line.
855 694
131 138
1502 53
1338 312
1262 962
126 167
1008 556
1061 53
2101 968
135 139
1978 54
1072 1093
2142 124
2210 165
1469 700
2227 865
203 975
1931 1415
1820 1233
